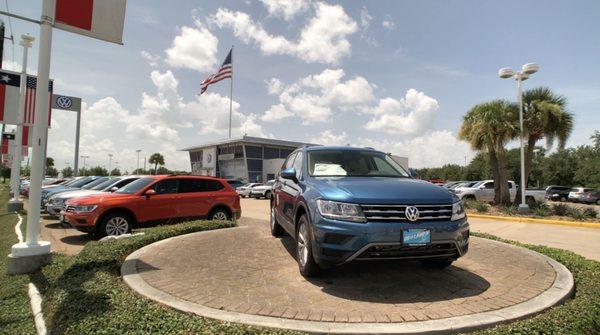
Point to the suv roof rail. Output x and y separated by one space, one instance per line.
175 174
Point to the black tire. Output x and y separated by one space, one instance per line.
276 228
563 199
437 264
115 224
306 262
268 195
219 214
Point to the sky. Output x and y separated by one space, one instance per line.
394 75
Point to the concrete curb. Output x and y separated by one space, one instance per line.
533 220
561 289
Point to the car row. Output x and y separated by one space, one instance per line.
115 205
484 191
573 194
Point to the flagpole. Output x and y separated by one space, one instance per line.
231 92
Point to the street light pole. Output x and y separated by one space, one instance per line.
504 73
138 160
109 163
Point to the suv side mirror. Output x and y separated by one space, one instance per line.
114 188
149 193
289 173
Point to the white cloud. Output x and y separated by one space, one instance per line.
365 24
285 9
312 98
276 113
411 115
322 40
151 59
388 24
193 48
327 137
429 150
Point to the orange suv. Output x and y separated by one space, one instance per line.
152 199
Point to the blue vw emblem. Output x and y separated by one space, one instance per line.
64 102
411 213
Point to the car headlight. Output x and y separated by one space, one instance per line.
458 212
340 211
84 209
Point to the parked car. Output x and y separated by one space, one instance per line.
576 193
152 199
83 183
244 191
451 184
342 204
484 191
235 183
57 201
558 193
263 191
591 197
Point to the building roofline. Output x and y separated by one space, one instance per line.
249 139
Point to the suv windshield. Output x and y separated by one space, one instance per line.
104 184
353 163
82 182
96 182
135 186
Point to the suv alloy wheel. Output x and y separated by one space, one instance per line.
115 224
306 262
276 229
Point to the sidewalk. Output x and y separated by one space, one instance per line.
584 241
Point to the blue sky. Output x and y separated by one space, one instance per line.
396 75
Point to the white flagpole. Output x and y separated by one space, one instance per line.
33 254
231 91
15 203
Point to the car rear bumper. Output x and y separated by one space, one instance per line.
337 242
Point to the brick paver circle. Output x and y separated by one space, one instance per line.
245 270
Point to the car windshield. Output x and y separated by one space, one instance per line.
81 182
135 186
352 163
96 182
106 183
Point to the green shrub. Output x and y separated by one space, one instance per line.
468 203
541 210
576 213
509 210
561 209
590 213
482 207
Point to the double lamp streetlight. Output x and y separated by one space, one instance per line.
506 73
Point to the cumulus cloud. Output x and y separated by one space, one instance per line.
285 9
194 48
150 58
365 24
429 150
322 40
328 137
312 98
388 24
411 115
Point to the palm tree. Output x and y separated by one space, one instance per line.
488 127
544 116
156 159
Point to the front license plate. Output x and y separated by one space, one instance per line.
416 236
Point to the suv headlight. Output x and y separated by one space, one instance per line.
458 212
340 211
84 209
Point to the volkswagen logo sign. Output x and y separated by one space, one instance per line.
64 102
411 213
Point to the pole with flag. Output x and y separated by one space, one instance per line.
224 72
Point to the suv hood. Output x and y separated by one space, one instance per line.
383 190
94 199
75 193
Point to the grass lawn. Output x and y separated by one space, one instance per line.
15 314
84 294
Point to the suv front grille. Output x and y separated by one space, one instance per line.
409 252
396 212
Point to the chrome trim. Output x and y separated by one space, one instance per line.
416 205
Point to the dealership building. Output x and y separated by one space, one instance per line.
249 159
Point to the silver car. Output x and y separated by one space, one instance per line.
263 191
244 191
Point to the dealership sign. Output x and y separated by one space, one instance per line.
66 103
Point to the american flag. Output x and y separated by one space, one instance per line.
29 113
224 72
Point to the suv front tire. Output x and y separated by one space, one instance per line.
306 262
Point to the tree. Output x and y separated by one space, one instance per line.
97 171
544 116
49 162
52 171
156 159
67 172
488 127
115 172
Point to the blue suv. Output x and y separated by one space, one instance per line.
343 204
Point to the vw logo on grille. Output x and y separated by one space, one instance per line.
412 213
